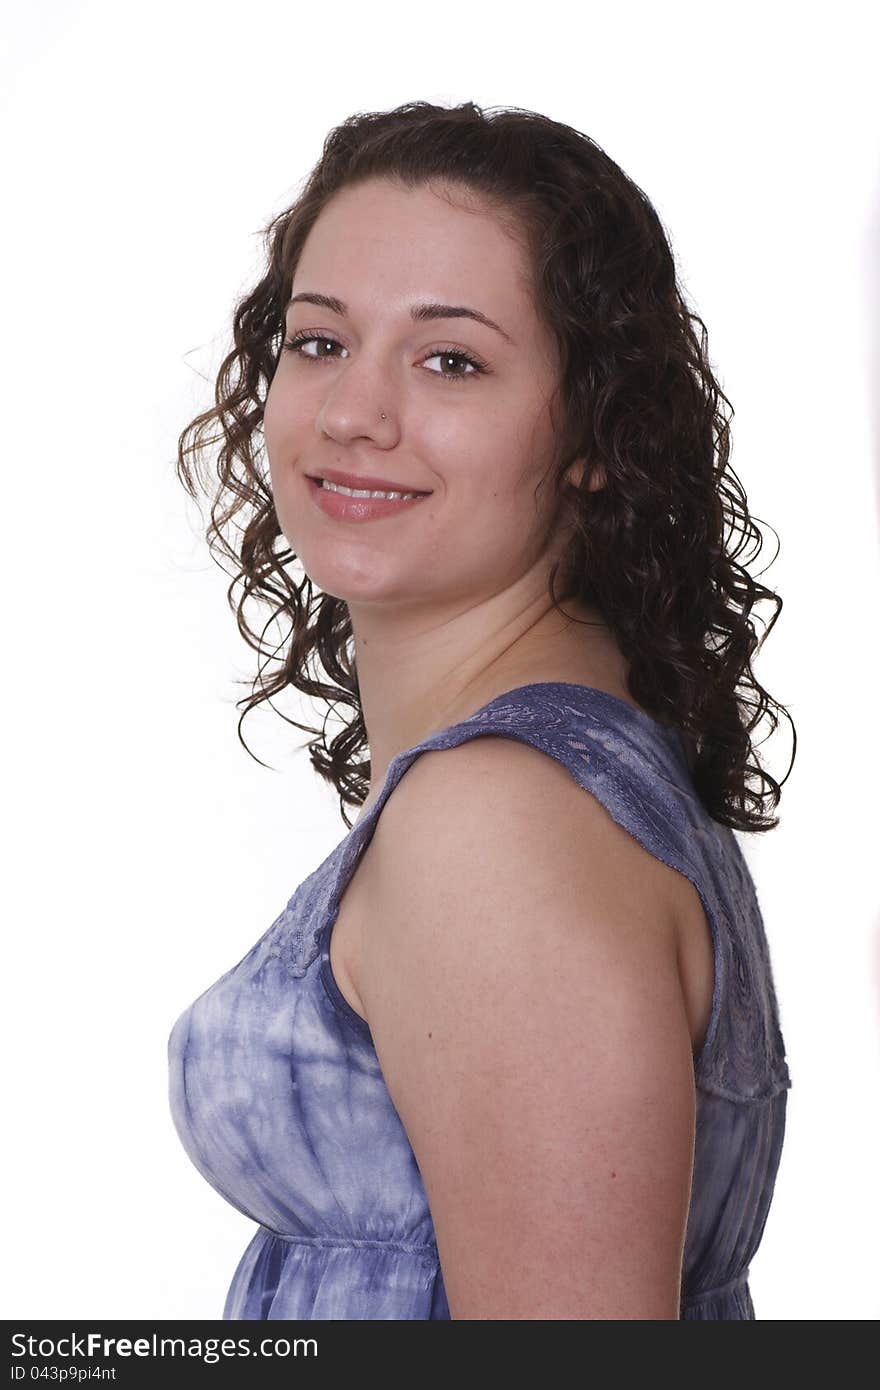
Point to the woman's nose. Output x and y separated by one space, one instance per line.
358 406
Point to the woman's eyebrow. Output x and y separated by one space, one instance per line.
419 312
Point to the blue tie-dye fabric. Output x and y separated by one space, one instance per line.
279 1100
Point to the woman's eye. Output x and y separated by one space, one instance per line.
298 343
447 355
299 340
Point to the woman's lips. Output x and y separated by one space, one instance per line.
341 507
365 482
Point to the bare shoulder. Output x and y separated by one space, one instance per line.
520 980
508 809
511 815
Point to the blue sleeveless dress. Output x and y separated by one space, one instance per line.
279 1100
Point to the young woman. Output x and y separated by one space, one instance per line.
512 1050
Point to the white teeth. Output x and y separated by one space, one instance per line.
354 492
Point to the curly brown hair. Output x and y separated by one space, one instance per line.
653 548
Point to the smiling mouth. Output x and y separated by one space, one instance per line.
366 494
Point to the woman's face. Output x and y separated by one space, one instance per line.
466 404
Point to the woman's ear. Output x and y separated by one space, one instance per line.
575 474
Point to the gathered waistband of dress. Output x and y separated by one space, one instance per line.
736 1283
354 1243
429 1251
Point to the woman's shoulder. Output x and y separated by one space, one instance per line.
495 813
511 779
497 808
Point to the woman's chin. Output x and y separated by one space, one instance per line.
359 589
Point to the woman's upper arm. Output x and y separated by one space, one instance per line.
519 975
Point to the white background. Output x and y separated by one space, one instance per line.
146 147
